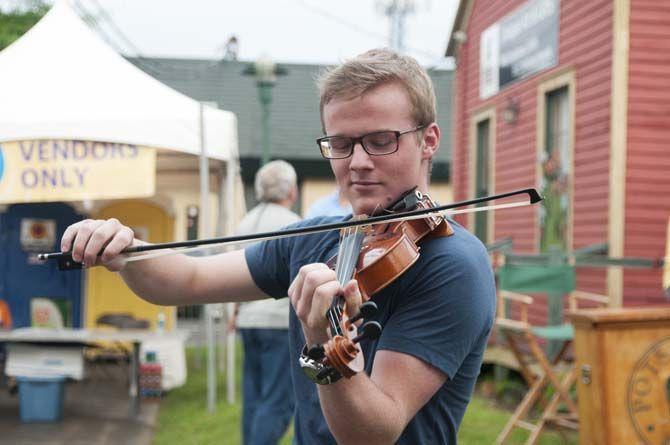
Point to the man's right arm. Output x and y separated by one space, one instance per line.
180 279
169 280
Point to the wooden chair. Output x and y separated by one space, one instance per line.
524 341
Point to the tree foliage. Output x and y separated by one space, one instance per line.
15 22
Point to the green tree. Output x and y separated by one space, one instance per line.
15 22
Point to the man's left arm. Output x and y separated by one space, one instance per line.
377 409
372 409
433 328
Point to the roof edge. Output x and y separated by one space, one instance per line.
460 23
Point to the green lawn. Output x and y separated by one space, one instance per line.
184 420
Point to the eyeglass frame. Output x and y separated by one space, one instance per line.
359 140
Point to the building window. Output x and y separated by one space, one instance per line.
555 171
482 176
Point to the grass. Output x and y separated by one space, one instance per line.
184 419
484 420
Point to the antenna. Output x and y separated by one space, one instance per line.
396 11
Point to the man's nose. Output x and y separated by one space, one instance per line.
360 159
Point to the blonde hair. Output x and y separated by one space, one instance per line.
275 181
374 68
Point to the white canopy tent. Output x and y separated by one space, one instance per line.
61 81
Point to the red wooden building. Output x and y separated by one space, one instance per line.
571 97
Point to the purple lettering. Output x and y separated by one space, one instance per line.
26 152
80 175
79 150
63 179
49 176
133 150
29 178
60 150
99 150
43 150
116 151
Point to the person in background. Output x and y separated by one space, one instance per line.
267 391
333 204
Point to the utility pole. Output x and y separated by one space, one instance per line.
396 11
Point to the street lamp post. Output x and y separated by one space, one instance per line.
266 72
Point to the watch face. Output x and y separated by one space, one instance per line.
310 372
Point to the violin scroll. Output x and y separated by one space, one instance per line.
343 354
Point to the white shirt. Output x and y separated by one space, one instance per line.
268 313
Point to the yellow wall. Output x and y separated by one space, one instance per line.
106 292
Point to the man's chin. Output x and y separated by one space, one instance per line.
367 205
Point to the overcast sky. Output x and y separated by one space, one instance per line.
302 31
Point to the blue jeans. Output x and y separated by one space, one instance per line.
267 391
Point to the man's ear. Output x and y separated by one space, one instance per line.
430 141
294 194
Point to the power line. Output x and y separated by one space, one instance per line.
150 65
361 30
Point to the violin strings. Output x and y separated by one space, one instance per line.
338 265
349 253
334 313
350 241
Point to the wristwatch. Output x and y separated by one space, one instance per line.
317 371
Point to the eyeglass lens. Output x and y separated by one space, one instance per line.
379 143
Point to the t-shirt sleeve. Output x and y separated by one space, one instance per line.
446 309
268 262
271 262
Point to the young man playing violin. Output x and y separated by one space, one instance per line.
378 114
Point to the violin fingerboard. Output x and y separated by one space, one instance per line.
347 256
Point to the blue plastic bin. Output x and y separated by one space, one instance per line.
41 398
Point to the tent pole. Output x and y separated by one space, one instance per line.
222 230
231 176
204 215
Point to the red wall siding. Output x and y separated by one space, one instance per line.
585 44
648 156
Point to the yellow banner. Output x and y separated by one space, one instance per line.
66 170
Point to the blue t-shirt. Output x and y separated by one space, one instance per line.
440 310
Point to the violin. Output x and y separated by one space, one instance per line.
375 256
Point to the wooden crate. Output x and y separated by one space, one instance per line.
623 371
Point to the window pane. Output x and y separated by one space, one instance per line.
555 173
482 177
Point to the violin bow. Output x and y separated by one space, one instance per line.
65 261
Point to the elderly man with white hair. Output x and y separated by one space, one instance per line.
263 324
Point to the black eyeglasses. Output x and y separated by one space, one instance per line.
375 144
